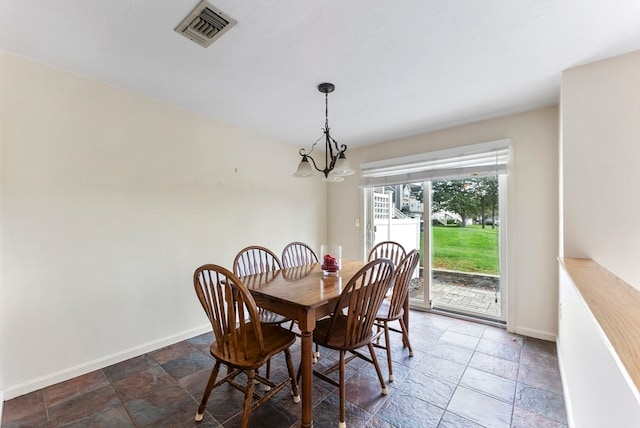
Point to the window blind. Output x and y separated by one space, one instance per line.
477 160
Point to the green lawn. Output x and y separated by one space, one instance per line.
465 249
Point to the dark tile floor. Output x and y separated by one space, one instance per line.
462 374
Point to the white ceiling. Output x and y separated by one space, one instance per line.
400 67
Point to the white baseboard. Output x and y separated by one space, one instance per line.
100 363
536 334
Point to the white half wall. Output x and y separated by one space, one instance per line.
532 207
597 392
110 202
600 110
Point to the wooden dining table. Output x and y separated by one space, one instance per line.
304 294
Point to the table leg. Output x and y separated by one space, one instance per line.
307 323
307 381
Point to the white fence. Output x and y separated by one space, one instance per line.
405 231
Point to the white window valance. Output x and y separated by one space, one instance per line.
477 160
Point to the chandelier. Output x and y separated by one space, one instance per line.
336 166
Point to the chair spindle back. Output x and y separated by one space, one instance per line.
362 298
388 249
255 259
298 254
404 274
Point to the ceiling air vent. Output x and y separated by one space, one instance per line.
205 24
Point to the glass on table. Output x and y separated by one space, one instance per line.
330 259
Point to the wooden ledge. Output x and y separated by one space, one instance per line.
615 306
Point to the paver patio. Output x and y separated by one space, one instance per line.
480 300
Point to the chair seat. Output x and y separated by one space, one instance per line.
276 339
336 339
383 312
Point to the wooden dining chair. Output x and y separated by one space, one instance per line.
350 326
298 254
242 342
393 309
253 260
388 249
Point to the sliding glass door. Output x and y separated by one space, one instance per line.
457 228
451 204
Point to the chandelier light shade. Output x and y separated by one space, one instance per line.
336 166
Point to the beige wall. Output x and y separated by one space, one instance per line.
601 164
532 226
110 201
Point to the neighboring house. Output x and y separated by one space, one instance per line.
445 217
